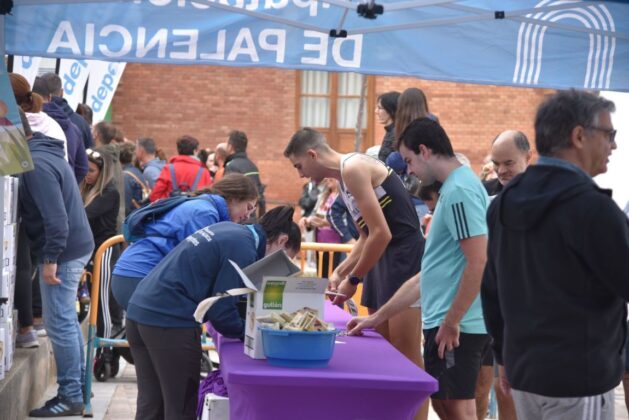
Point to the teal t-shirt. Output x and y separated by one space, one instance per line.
460 214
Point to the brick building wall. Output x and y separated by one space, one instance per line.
165 101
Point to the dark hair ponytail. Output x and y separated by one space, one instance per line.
278 221
232 187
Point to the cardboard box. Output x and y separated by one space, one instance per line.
14 198
9 344
5 286
277 292
6 312
2 350
9 246
215 408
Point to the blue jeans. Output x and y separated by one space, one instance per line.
62 327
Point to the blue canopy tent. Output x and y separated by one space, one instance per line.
547 43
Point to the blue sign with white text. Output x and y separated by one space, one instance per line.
543 43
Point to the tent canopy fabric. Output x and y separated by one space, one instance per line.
547 43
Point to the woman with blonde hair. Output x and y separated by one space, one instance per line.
102 201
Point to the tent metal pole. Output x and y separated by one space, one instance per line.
3 47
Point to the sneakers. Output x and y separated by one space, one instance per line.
27 340
58 407
39 328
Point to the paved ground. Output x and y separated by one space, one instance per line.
115 399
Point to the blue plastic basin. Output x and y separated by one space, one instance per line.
298 349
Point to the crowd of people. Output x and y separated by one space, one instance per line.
87 179
523 273
516 278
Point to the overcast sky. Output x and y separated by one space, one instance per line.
617 176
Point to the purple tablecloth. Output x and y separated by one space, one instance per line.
366 379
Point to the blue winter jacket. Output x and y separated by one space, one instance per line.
51 206
168 231
198 268
79 121
77 158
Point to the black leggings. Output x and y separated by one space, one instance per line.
167 366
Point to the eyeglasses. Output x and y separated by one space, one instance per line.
611 133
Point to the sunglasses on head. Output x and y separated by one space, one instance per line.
95 156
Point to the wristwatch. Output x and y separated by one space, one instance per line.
354 280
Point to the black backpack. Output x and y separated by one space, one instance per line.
183 188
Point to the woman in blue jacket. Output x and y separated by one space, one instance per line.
164 337
233 198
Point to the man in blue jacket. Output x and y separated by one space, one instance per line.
54 86
77 158
52 212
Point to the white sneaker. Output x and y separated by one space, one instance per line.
27 340
41 331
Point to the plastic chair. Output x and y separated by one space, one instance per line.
321 249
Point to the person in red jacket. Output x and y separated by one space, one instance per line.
189 173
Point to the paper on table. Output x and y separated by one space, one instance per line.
206 304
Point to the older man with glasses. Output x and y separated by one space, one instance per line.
555 286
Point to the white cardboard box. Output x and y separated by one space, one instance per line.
9 341
5 312
9 245
277 292
215 407
2 350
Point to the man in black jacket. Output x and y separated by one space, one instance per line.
237 161
555 286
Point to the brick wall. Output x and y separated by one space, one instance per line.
166 101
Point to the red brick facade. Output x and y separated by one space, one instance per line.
164 102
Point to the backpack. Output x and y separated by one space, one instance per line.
181 189
133 227
146 191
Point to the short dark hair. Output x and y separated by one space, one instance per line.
86 112
48 84
303 140
238 140
127 151
560 113
388 101
186 145
148 144
106 131
429 133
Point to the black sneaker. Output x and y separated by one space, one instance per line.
58 407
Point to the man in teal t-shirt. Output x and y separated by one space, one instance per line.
460 214
452 268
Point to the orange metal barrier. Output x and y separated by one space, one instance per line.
330 249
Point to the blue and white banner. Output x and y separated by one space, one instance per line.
73 74
104 78
27 67
547 43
